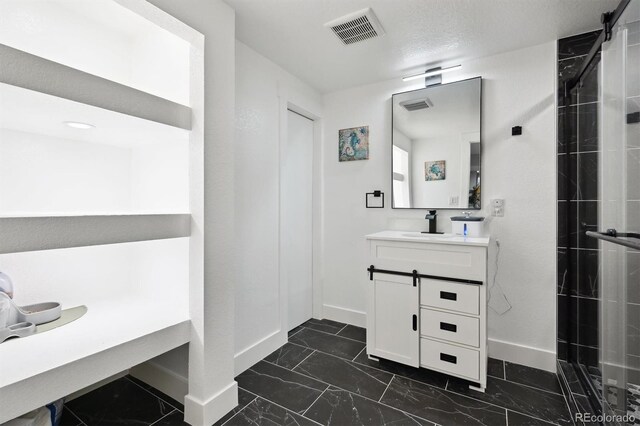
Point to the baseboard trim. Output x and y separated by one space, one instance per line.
521 354
254 353
348 316
198 413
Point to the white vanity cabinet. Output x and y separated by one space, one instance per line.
427 302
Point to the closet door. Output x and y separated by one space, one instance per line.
296 218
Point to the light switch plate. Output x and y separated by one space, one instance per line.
497 207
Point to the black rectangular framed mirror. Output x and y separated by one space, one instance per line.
436 147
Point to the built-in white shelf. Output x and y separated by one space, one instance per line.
40 113
99 216
109 338
20 234
138 308
32 72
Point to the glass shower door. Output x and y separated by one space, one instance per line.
619 218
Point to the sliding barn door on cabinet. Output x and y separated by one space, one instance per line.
392 322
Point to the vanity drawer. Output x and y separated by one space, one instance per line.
442 260
450 295
450 359
451 327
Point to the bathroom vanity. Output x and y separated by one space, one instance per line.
427 302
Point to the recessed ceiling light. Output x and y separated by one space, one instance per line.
79 125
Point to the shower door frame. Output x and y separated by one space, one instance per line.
609 21
614 183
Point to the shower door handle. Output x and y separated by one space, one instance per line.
619 238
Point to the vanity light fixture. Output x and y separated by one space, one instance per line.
433 72
79 125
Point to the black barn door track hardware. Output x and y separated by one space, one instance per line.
415 275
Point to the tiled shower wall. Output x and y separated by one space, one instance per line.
578 298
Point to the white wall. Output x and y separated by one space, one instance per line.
437 192
42 174
101 38
263 92
402 141
246 169
160 171
127 272
213 390
518 89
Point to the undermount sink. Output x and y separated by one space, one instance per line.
428 236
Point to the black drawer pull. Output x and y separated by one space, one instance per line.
448 327
415 323
448 358
448 296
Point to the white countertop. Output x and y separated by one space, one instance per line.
104 326
418 237
111 337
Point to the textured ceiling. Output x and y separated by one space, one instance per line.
419 33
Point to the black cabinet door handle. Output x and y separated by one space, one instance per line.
448 327
448 358
448 296
415 323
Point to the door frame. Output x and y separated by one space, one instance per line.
300 104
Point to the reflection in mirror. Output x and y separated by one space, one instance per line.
436 147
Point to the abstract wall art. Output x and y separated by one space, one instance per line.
435 170
353 144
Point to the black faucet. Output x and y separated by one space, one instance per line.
431 217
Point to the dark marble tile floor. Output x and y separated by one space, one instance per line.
125 401
329 343
289 355
323 376
533 377
496 368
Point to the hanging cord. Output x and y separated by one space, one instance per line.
495 271
501 304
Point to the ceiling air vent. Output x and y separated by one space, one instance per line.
416 104
357 26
